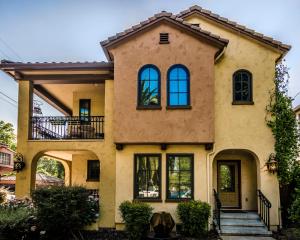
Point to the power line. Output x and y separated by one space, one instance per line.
8 97
3 99
4 54
11 49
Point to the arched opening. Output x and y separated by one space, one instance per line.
80 167
236 178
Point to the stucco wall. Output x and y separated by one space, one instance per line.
151 126
244 126
125 174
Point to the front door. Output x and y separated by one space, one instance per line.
229 183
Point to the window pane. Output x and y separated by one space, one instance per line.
238 96
182 99
174 164
145 74
238 85
147 183
185 191
174 86
173 74
173 99
227 178
153 74
182 86
185 177
153 86
182 74
185 163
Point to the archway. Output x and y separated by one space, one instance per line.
236 178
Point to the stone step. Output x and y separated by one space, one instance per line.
245 231
242 222
245 215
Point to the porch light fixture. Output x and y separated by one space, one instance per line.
272 164
19 163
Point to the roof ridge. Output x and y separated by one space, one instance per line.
162 15
242 28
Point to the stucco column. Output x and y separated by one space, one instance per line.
23 181
108 162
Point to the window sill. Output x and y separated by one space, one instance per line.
92 180
148 108
242 103
178 200
178 107
147 200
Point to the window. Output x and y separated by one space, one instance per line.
147 176
178 86
93 170
242 87
5 158
149 87
84 109
180 183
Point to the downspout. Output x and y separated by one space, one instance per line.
208 155
220 54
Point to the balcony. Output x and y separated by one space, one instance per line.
67 127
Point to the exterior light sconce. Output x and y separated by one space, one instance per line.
19 163
272 164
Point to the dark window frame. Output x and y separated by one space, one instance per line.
135 185
142 106
188 105
5 158
250 83
85 119
89 177
167 176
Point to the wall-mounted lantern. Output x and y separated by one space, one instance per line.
19 163
272 164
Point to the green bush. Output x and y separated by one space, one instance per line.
63 211
3 195
194 217
294 210
136 216
17 220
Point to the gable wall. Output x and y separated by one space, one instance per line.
194 125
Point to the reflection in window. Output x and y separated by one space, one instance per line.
178 86
147 176
93 170
149 86
84 109
242 86
180 176
227 178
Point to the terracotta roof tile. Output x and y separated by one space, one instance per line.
258 36
162 15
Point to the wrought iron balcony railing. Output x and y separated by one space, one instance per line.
55 128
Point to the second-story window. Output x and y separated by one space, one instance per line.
149 86
242 87
178 86
84 109
5 158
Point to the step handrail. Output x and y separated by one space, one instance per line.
217 210
264 208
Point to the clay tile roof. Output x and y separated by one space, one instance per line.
233 25
167 16
9 65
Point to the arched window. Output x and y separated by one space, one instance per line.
178 86
149 86
242 87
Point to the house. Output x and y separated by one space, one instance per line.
176 112
6 159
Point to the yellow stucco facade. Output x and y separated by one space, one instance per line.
237 132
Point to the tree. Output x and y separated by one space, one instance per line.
50 167
7 134
282 121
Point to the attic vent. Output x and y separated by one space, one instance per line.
164 38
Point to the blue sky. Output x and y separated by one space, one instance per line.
70 30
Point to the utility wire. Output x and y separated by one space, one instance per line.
4 54
11 49
8 97
8 102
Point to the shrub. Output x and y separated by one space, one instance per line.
17 220
3 195
194 217
136 216
294 210
63 211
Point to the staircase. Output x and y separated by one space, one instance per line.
242 223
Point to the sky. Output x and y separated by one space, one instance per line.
70 30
